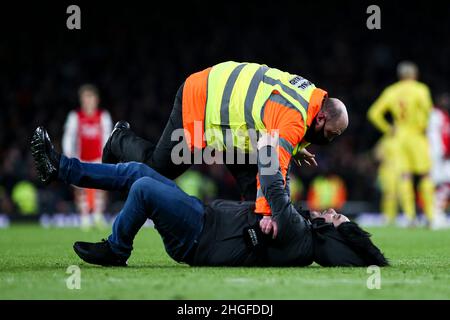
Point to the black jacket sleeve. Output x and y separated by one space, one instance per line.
273 188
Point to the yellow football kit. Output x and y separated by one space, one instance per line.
409 103
389 175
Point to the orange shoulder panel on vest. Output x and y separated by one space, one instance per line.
315 104
280 115
194 104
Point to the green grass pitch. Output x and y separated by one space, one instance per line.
34 261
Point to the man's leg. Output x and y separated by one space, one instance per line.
426 189
161 158
421 166
177 216
126 146
106 176
245 175
83 208
407 197
405 153
389 195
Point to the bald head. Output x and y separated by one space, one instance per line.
329 123
407 70
336 115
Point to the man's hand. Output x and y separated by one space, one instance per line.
267 225
305 156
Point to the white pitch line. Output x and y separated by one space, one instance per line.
321 282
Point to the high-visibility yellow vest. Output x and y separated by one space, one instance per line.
236 96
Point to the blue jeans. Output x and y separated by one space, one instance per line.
177 216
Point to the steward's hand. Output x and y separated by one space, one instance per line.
268 225
305 156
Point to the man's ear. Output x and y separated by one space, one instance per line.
320 119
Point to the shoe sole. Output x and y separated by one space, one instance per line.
89 260
43 164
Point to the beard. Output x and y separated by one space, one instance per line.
316 137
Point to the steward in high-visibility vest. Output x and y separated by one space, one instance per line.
225 106
243 96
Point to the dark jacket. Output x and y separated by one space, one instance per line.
222 242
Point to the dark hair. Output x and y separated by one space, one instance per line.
88 87
359 241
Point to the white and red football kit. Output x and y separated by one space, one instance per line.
439 137
84 138
85 135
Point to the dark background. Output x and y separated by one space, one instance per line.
138 53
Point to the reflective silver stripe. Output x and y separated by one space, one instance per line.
278 98
251 94
286 145
288 90
225 104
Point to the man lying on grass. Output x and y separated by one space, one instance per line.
222 233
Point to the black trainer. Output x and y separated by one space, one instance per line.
107 154
45 157
98 253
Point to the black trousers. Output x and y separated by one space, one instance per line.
126 146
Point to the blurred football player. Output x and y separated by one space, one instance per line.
389 175
439 136
410 104
85 132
